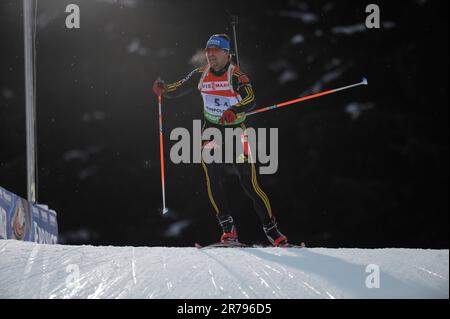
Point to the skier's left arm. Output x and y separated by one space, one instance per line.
241 84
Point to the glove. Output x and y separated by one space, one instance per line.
159 87
227 117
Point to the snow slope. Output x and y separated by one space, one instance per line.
29 270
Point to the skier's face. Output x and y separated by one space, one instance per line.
217 57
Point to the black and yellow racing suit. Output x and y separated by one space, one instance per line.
216 174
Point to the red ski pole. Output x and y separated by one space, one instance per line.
161 154
309 97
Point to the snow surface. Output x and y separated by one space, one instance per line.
29 270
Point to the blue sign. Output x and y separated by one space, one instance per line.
22 220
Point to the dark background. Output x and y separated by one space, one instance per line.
366 167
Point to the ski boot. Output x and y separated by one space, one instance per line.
229 235
273 234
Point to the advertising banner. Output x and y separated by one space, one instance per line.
22 220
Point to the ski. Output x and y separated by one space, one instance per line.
222 245
302 245
241 245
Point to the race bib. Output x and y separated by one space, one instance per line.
216 105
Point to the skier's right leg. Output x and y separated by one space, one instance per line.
214 174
